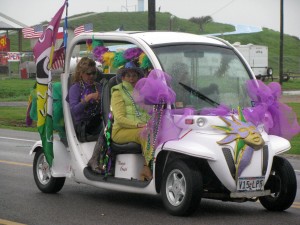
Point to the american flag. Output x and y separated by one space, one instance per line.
33 32
58 58
83 28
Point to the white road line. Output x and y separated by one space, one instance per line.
18 139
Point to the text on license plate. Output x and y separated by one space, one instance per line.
250 183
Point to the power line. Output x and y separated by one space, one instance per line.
223 7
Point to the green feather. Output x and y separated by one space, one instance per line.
239 146
146 63
119 60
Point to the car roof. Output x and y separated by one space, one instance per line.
158 38
167 37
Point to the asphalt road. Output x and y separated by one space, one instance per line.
76 204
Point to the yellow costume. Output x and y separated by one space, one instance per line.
127 114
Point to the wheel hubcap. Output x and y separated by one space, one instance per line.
176 187
276 194
43 170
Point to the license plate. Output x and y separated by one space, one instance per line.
250 183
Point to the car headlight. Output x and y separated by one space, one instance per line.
201 121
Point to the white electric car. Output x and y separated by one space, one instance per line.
205 161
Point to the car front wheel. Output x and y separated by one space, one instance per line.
42 175
181 188
283 185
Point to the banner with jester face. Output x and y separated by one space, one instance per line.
247 137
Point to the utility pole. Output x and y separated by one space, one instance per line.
281 44
151 15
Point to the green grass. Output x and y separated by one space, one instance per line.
15 89
291 85
295 142
15 118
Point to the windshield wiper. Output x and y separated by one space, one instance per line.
199 95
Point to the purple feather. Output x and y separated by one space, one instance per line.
132 53
28 118
99 51
245 160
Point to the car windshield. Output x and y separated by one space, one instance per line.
205 75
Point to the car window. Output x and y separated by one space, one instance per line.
213 71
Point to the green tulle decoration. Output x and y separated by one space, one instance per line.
145 64
33 109
58 114
119 60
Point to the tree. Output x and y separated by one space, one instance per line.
201 21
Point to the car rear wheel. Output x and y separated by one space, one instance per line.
181 188
283 185
42 175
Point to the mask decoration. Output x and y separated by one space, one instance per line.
247 138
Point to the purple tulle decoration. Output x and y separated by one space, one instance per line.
221 110
132 53
165 127
28 118
154 89
150 93
278 118
99 51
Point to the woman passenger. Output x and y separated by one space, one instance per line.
85 104
129 118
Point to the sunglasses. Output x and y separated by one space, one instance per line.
134 75
91 73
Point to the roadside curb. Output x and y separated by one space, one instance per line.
16 104
291 156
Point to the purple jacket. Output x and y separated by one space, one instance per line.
80 110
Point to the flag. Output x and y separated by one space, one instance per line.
33 32
59 58
43 53
60 33
83 29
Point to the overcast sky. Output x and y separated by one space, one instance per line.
261 13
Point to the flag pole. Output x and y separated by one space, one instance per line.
65 38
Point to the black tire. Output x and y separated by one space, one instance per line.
286 77
283 185
181 188
42 176
269 71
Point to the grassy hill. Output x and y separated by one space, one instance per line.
109 21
